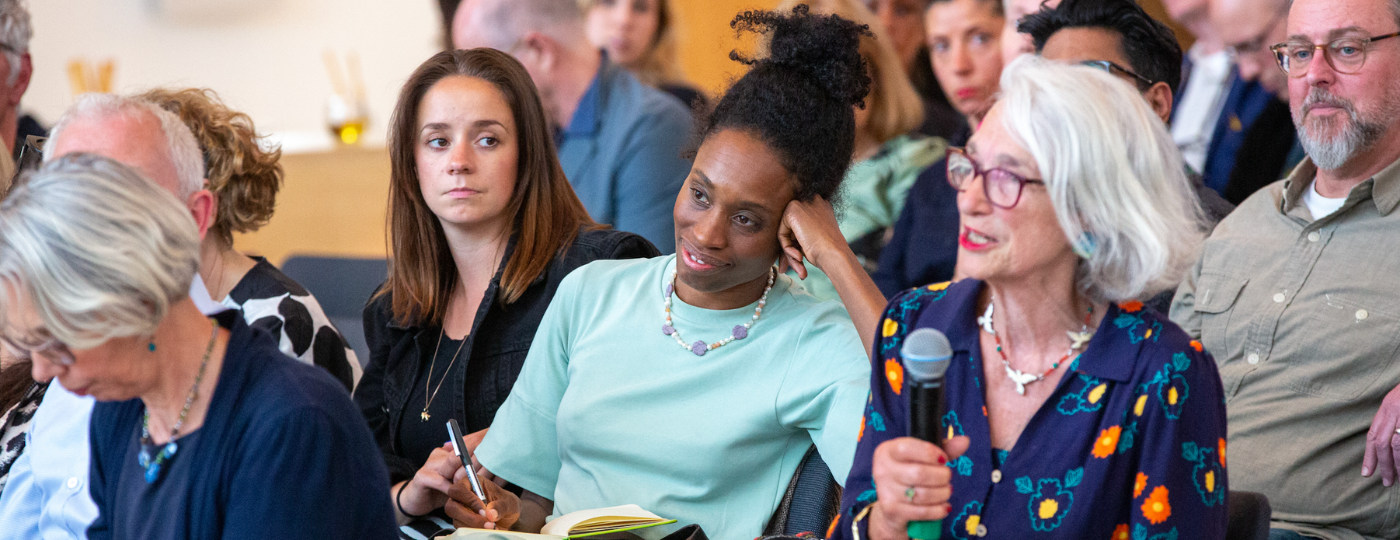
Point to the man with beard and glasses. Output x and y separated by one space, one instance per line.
1295 294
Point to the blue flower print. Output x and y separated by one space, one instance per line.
1207 474
964 526
1088 398
911 302
1050 500
952 427
1140 533
1171 388
1138 328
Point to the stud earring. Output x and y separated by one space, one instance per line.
151 346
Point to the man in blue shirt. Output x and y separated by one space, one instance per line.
620 141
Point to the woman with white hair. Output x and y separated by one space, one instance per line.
203 429
1072 410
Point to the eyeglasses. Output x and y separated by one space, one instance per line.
1002 187
1109 67
1346 54
51 350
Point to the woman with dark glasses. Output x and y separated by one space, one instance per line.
1072 410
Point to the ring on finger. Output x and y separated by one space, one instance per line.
909 494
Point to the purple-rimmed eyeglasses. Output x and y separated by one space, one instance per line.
1002 187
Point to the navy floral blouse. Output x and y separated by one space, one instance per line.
1130 446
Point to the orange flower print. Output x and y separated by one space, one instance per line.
1222 452
861 434
831 529
1131 306
1121 533
1156 508
1108 441
895 373
1139 485
1197 345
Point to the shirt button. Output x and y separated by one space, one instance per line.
981 530
1361 314
996 476
73 483
1254 358
1278 298
1313 236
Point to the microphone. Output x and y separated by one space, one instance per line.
927 355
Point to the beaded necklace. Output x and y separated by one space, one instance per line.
1023 379
699 348
167 452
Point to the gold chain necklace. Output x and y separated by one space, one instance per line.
428 400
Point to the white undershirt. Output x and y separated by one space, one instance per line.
1320 206
1201 103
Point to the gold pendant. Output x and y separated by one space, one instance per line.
425 415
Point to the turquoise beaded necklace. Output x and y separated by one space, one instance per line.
167 451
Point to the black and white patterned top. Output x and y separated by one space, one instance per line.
14 424
270 300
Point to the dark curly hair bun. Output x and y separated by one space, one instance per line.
799 98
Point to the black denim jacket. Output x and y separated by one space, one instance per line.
499 340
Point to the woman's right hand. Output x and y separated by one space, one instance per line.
467 510
905 463
427 490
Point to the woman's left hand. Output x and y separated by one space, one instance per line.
808 231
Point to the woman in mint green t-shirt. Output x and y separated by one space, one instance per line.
693 384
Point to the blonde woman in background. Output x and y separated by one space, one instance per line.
244 179
888 154
640 35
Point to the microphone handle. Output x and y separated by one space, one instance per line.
926 424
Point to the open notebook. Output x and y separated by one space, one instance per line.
580 524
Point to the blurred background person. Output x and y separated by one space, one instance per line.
1120 38
244 178
201 421
619 140
1074 203
903 22
16 67
1257 144
888 156
785 370
484 227
964 39
640 35
1013 43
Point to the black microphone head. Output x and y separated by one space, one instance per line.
927 354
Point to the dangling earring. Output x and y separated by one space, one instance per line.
1084 248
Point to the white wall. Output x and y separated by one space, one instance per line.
262 56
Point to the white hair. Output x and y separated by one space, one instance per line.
507 21
1115 178
15 33
180 144
100 251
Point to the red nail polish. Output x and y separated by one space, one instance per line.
942 460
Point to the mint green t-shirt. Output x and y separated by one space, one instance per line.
608 410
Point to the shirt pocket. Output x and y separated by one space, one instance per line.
1216 294
1354 345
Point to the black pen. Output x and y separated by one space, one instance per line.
459 447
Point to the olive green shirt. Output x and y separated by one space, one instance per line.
1303 317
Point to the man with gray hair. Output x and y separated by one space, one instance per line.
15 70
620 141
1295 294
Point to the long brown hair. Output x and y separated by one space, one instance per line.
547 213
